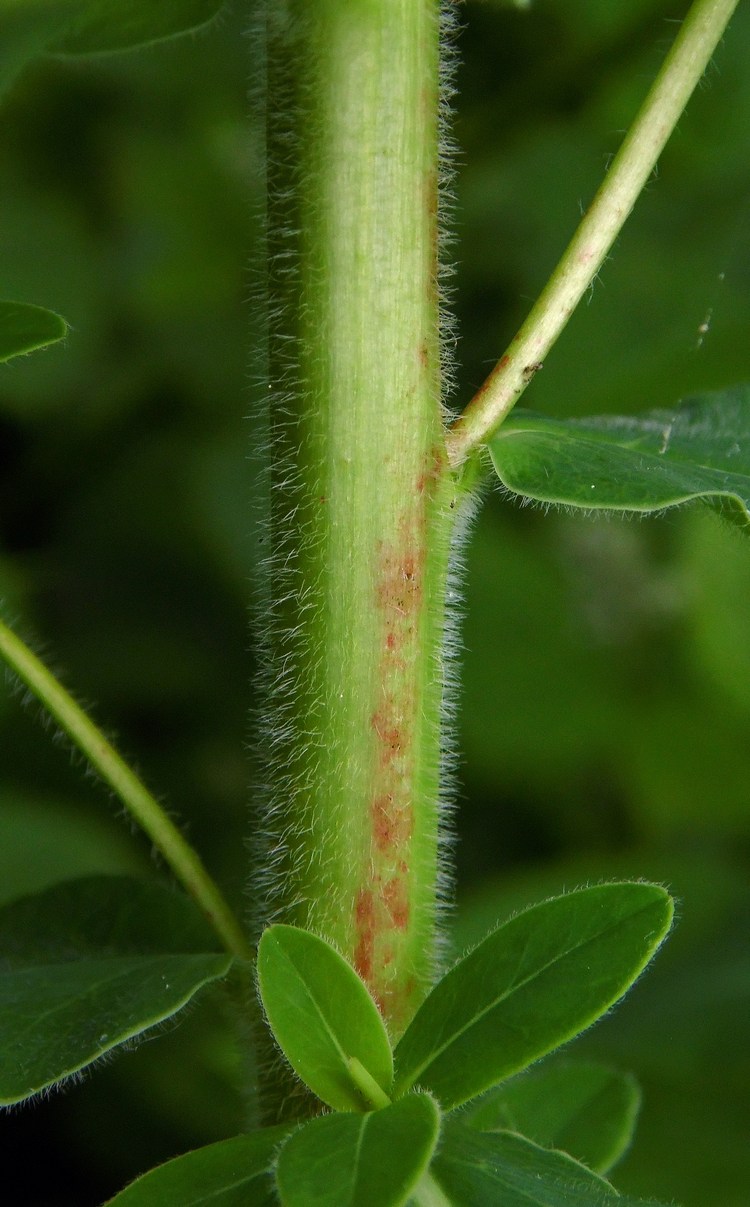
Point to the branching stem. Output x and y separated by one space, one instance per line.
631 168
150 816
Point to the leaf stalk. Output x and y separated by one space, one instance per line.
142 806
680 73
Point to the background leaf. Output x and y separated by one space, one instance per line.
698 451
106 25
87 965
586 1109
322 1014
46 840
533 984
371 1160
482 1170
32 27
231 1173
24 328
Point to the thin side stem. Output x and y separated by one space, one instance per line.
631 168
150 816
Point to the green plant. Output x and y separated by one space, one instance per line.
365 501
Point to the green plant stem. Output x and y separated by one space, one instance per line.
147 812
360 492
630 169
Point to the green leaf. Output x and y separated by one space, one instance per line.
372 1160
698 451
586 1109
29 28
24 328
100 26
533 984
87 965
46 840
232 1173
487 1169
322 1016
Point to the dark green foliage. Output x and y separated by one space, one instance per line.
231 1173
24 328
484 1170
88 965
32 27
698 451
585 1109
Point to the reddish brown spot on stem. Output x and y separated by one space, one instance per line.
383 912
365 920
391 825
396 898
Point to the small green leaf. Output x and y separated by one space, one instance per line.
533 984
586 1109
322 1015
87 965
372 1160
24 328
698 451
232 1173
487 1169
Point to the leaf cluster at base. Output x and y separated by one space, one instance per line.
397 1134
434 1121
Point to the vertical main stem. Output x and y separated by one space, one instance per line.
360 491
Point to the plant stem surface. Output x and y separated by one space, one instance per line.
360 494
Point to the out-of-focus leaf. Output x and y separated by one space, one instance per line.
100 26
533 984
586 1109
231 1173
87 965
487 1169
719 568
322 1016
24 328
698 451
46 840
32 27
372 1160
27 27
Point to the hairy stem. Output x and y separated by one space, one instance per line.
360 493
630 169
147 812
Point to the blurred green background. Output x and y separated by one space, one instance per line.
605 716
